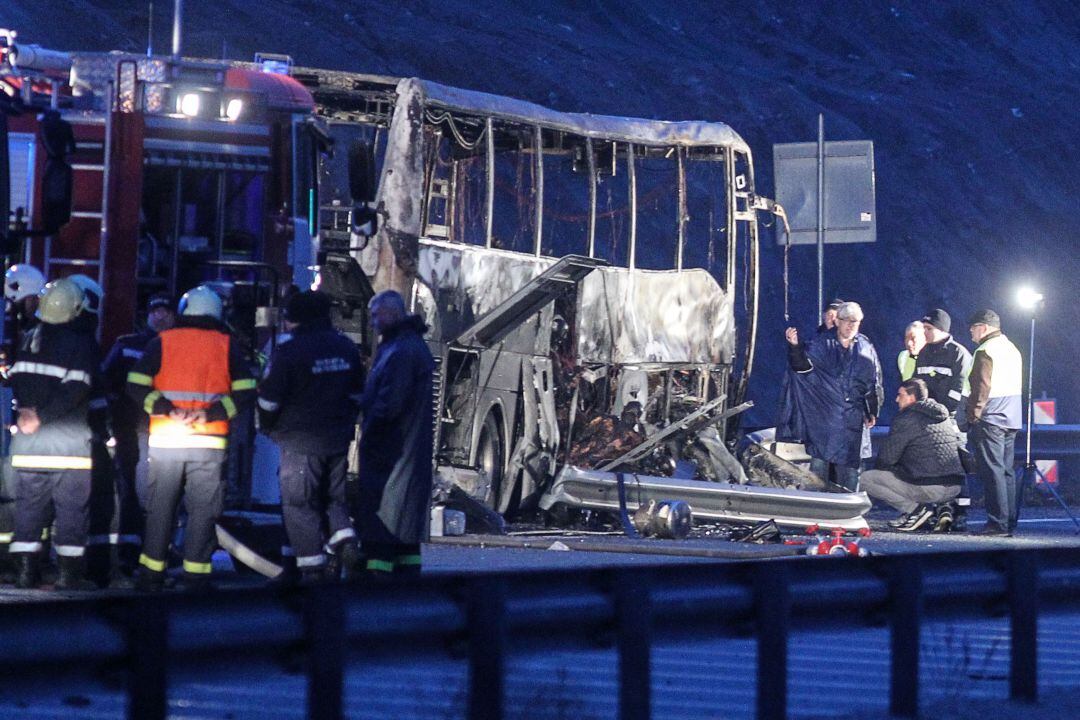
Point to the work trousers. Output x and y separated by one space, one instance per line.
994 449
201 485
133 468
890 488
40 493
313 504
115 517
843 475
7 506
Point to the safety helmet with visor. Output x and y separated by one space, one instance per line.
22 281
201 300
61 301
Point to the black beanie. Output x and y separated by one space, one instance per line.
939 319
985 317
307 307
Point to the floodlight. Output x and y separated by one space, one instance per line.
1028 298
188 104
233 108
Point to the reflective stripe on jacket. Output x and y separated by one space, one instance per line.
53 373
194 375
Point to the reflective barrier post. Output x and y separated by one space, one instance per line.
633 611
1024 616
905 618
324 624
487 648
773 603
148 658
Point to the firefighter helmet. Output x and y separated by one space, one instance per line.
22 281
92 292
61 301
201 301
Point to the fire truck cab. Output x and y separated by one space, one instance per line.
178 172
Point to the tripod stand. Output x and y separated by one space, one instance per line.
1029 472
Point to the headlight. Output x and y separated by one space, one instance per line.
188 104
233 108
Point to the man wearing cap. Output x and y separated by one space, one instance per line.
828 315
943 364
831 397
994 413
130 425
308 404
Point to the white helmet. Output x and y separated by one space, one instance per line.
22 281
92 292
201 301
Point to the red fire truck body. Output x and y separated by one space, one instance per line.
183 172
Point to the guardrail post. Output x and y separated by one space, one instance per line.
773 603
148 653
905 617
487 648
1023 595
324 625
633 613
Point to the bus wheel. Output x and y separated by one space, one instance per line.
491 458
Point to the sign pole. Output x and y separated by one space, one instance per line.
820 213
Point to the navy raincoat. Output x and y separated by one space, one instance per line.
826 405
396 438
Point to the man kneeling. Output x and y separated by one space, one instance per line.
918 463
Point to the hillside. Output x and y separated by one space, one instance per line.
971 108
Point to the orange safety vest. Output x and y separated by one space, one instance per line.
194 375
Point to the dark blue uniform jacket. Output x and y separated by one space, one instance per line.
310 397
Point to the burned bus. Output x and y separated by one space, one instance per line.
578 273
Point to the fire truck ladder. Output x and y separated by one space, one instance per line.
90 266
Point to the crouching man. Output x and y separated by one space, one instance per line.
918 464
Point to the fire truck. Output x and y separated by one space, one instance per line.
178 172
579 272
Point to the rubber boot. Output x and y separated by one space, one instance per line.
8 569
195 583
352 560
73 574
151 581
118 579
29 571
313 575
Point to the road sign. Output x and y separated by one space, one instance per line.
1044 412
850 215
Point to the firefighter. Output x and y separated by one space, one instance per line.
191 380
108 529
50 452
22 283
308 404
130 425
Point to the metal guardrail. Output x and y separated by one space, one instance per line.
480 615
